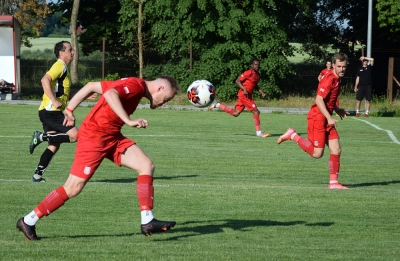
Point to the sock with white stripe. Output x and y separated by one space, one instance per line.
56 137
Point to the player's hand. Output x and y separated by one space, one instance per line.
263 95
246 93
138 123
332 122
69 119
93 96
57 104
342 113
355 89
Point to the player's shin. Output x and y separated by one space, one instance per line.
145 193
227 109
304 144
49 204
56 137
256 118
334 166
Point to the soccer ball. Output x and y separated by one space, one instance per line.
201 93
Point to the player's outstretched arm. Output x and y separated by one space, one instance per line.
84 93
113 100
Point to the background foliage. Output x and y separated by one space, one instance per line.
226 35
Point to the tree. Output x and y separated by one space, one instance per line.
29 13
389 14
99 18
74 40
53 26
225 36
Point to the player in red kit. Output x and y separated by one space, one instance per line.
247 83
100 137
324 71
327 69
321 128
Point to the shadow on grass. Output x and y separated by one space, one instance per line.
131 180
272 134
237 225
368 184
208 228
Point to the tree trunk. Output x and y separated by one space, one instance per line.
74 42
140 40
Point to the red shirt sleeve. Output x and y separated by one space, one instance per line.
245 75
127 87
325 86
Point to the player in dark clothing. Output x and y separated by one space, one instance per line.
363 87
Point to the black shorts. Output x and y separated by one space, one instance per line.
53 121
364 92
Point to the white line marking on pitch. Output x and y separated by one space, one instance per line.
389 132
129 135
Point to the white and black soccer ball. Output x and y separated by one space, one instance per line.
201 93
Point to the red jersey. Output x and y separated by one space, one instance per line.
249 79
329 89
324 71
102 120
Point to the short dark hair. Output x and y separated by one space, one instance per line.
341 57
174 83
254 59
59 47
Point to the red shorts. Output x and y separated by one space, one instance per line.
245 102
91 152
319 132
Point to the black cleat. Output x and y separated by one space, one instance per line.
35 141
29 231
38 180
155 226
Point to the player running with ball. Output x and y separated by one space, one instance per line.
100 137
321 128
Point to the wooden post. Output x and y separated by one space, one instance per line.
191 56
390 80
102 59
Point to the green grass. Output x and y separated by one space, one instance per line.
234 196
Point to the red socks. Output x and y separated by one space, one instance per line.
227 109
304 144
334 166
145 192
51 202
256 118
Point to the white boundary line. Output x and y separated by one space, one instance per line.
389 132
129 135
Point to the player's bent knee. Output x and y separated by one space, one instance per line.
73 191
149 169
74 185
318 154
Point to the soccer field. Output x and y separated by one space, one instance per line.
234 196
